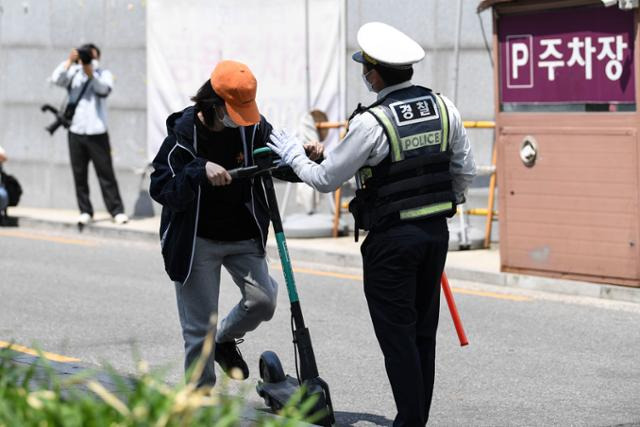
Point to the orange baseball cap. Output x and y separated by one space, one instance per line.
235 84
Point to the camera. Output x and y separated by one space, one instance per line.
61 119
84 54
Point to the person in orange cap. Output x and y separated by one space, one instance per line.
209 221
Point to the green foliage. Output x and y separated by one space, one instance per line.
34 395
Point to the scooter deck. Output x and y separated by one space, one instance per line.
277 395
280 392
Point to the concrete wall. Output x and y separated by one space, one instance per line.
432 23
35 36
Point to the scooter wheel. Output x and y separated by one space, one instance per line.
270 368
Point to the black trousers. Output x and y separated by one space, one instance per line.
402 271
94 148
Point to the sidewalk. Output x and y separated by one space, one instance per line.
482 266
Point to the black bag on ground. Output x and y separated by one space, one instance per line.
13 187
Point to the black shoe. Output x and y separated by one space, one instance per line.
230 360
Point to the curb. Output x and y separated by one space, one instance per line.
508 280
91 230
307 255
352 260
546 284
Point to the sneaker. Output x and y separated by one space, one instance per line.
84 219
230 360
120 219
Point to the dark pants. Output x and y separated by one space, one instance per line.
402 271
94 148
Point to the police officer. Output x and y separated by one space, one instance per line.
412 160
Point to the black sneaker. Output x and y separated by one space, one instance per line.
230 360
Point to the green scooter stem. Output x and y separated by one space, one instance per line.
277 393
280 239
302 338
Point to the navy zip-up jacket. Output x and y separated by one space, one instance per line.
176 182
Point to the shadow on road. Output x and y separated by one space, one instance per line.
350 418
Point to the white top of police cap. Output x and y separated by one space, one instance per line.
383 43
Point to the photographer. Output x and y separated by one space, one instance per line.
88 86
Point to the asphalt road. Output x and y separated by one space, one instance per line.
533 358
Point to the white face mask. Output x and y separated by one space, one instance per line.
226 120
95 64
367 83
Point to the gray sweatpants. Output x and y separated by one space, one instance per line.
198 297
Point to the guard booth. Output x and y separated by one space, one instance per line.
567 127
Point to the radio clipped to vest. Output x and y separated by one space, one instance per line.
413 182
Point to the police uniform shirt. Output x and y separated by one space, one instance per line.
366 144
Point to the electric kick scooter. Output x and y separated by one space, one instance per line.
276 388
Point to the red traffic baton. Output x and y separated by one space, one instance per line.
454 311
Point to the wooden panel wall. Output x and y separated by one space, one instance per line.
575 211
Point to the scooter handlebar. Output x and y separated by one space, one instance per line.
241 173
264 164
255 170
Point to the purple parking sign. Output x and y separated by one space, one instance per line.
572 55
